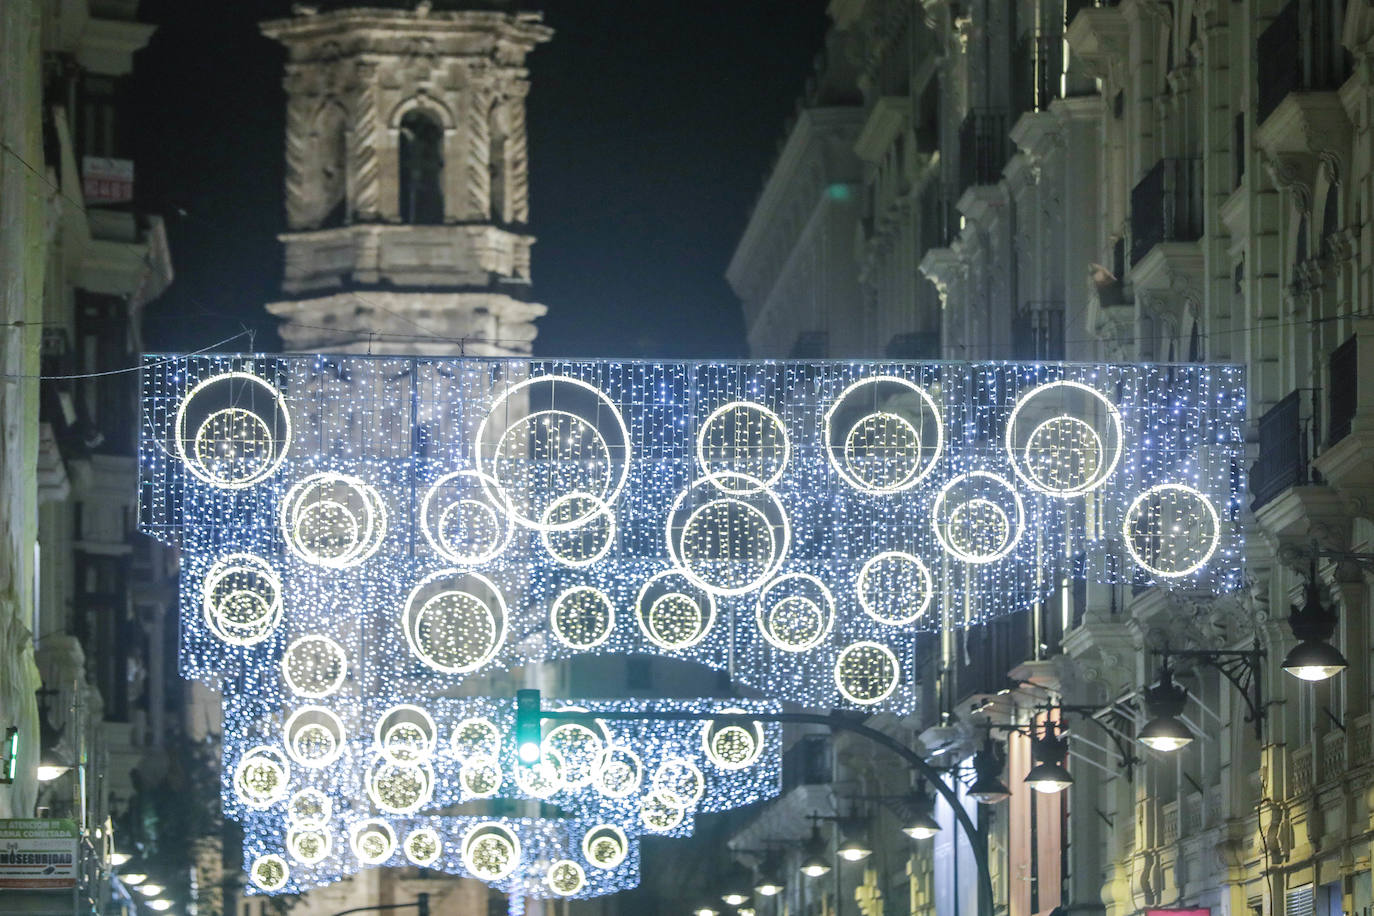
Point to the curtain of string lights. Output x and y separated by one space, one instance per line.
406 523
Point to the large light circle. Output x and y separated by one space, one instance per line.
455 621
578 529
314 666
480 776
795 612
673 612
1172 530
399 788
475 737
537 454
605 846
241 599
895 588
659 815
582 617
883 434
466 518
232 430
333 520
543 778
619 772
866 673
732 745
678 781
261 777
490 851
579 749
565 878
747 439
270 872
309 845
1064 438
372 841
423 846
406 734
728 543
310 808
314 737
979 517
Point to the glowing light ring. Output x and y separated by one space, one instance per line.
197 468
650 622
481 776
1102 473
779 532
250 608
1051 429
941 518
544 778
566 627
659 815
678 781
496 620
849 673
888 426
579 749
721 415
723 743
309 808
270 872
436 531
309 845
865 586
314 737
423 846
846 470
475 737
567 545
1209 543
565 878
767 610
605 846
615 483
986 517
305 658
490 851
305 501
406 734
399 788
372 841
261 777
619 772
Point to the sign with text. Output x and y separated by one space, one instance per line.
38 853
107 181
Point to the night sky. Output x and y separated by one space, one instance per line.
651 127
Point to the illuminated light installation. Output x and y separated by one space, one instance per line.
333 520
270 872
232 429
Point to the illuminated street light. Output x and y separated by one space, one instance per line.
1313 658
988 788
1164 703
1049 775
815 858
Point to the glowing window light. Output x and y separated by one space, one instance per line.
605 846
866 673
566 877
1172 530
895 588
314 666
233 446
747 439
490 851
270 872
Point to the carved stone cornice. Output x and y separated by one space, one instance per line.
1307 132
1170 279
1099 38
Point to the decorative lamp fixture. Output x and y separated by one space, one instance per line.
133 879
1049 775
51 764
706 909
988 788
150 890
1313 658
769 881
1164 703
815 855
737 882
119 858
159 905
920 822
855 847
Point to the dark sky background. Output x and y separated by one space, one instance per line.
651 124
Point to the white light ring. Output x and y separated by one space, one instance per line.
839 679
1068 491
325 803
675 814
405 713
264 863
780 534
367 538
707 729
274 757
372 825
978 559
423 833
635 766
709 611
957 513
544 415
548 770
580 781
557 884
1113 414
850 448
506 838
546 533
500 619
927 581
425 774
1215 539
762 607
907 483
486 725
334 726
481 762
595 833
294 835
241 563
179 431
556 628
433 530
335 684
668 794
619 484
749 405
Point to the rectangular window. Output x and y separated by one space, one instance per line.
1298 901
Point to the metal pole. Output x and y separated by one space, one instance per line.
838 722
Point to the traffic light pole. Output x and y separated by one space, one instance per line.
836 721
420 903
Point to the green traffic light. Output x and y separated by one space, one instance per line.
528 727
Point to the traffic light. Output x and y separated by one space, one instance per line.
9 765
528 730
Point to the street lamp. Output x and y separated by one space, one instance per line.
769 881
133 879
706 909
1313 658
1049 775
920 822
51 764
988 788
119 858
150 890
855 847
737 883
815 858
1164 703
159 905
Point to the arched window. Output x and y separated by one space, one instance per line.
422 169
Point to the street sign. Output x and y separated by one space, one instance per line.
38 853
107 181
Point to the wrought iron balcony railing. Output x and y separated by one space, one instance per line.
1038 331
1166 206
1287 440
984 147
1300 51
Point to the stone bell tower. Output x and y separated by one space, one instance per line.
407 178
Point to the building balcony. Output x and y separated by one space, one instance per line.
1289 499
984 147
1347 462
1166 206
1038 331
1098 37
1305 37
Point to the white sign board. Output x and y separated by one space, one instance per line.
38 853
107 181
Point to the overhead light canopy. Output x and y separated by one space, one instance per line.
1164 703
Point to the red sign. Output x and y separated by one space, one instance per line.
107 181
